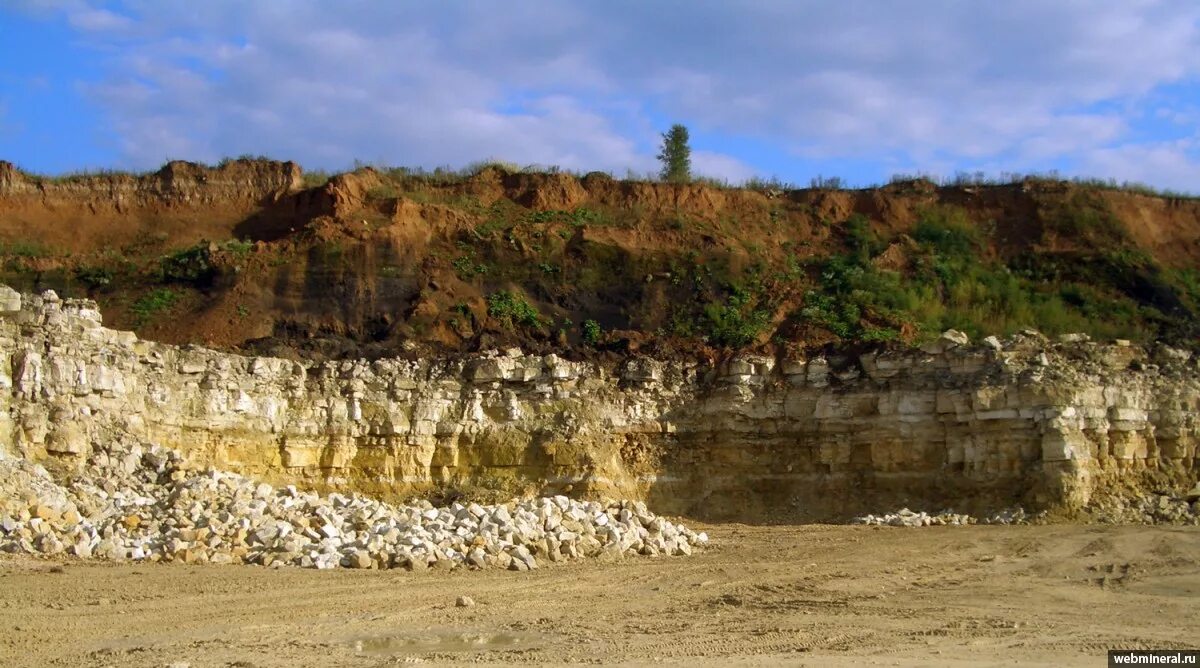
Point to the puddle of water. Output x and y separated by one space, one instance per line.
418 642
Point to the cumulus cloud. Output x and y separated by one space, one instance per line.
1174 164
720 166
943 83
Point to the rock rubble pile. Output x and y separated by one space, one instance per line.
143 504
1153 508
908 518
1149 509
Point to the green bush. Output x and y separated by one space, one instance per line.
738 321
190 265
512 310
861 239
94 277
591 332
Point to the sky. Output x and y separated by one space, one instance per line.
856 89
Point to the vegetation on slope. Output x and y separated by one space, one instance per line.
497 256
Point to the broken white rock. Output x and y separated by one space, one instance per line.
138 502
907 518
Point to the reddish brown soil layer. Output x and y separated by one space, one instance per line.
369 260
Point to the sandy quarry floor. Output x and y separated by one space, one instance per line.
812 595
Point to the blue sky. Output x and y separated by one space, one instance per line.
860 89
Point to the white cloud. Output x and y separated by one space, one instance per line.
1174 164
1025 82
717 165
98 20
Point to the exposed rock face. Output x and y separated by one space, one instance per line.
970 427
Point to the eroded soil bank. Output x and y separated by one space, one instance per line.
815 595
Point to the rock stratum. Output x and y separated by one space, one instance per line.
1058 426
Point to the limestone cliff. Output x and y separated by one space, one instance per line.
1050 425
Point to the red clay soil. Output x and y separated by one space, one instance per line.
366 261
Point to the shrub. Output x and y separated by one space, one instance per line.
591 332
94 277
512 310
861 239
738 321
190 265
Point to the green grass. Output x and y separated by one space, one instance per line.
25 248
383 191
315 178
1085 218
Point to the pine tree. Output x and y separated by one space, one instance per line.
676 155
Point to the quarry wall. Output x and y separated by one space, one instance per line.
1027 421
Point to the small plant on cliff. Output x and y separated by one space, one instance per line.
467 268
94 277
738 321
152 304
238 247
675 155
512 310
591 332
190 265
